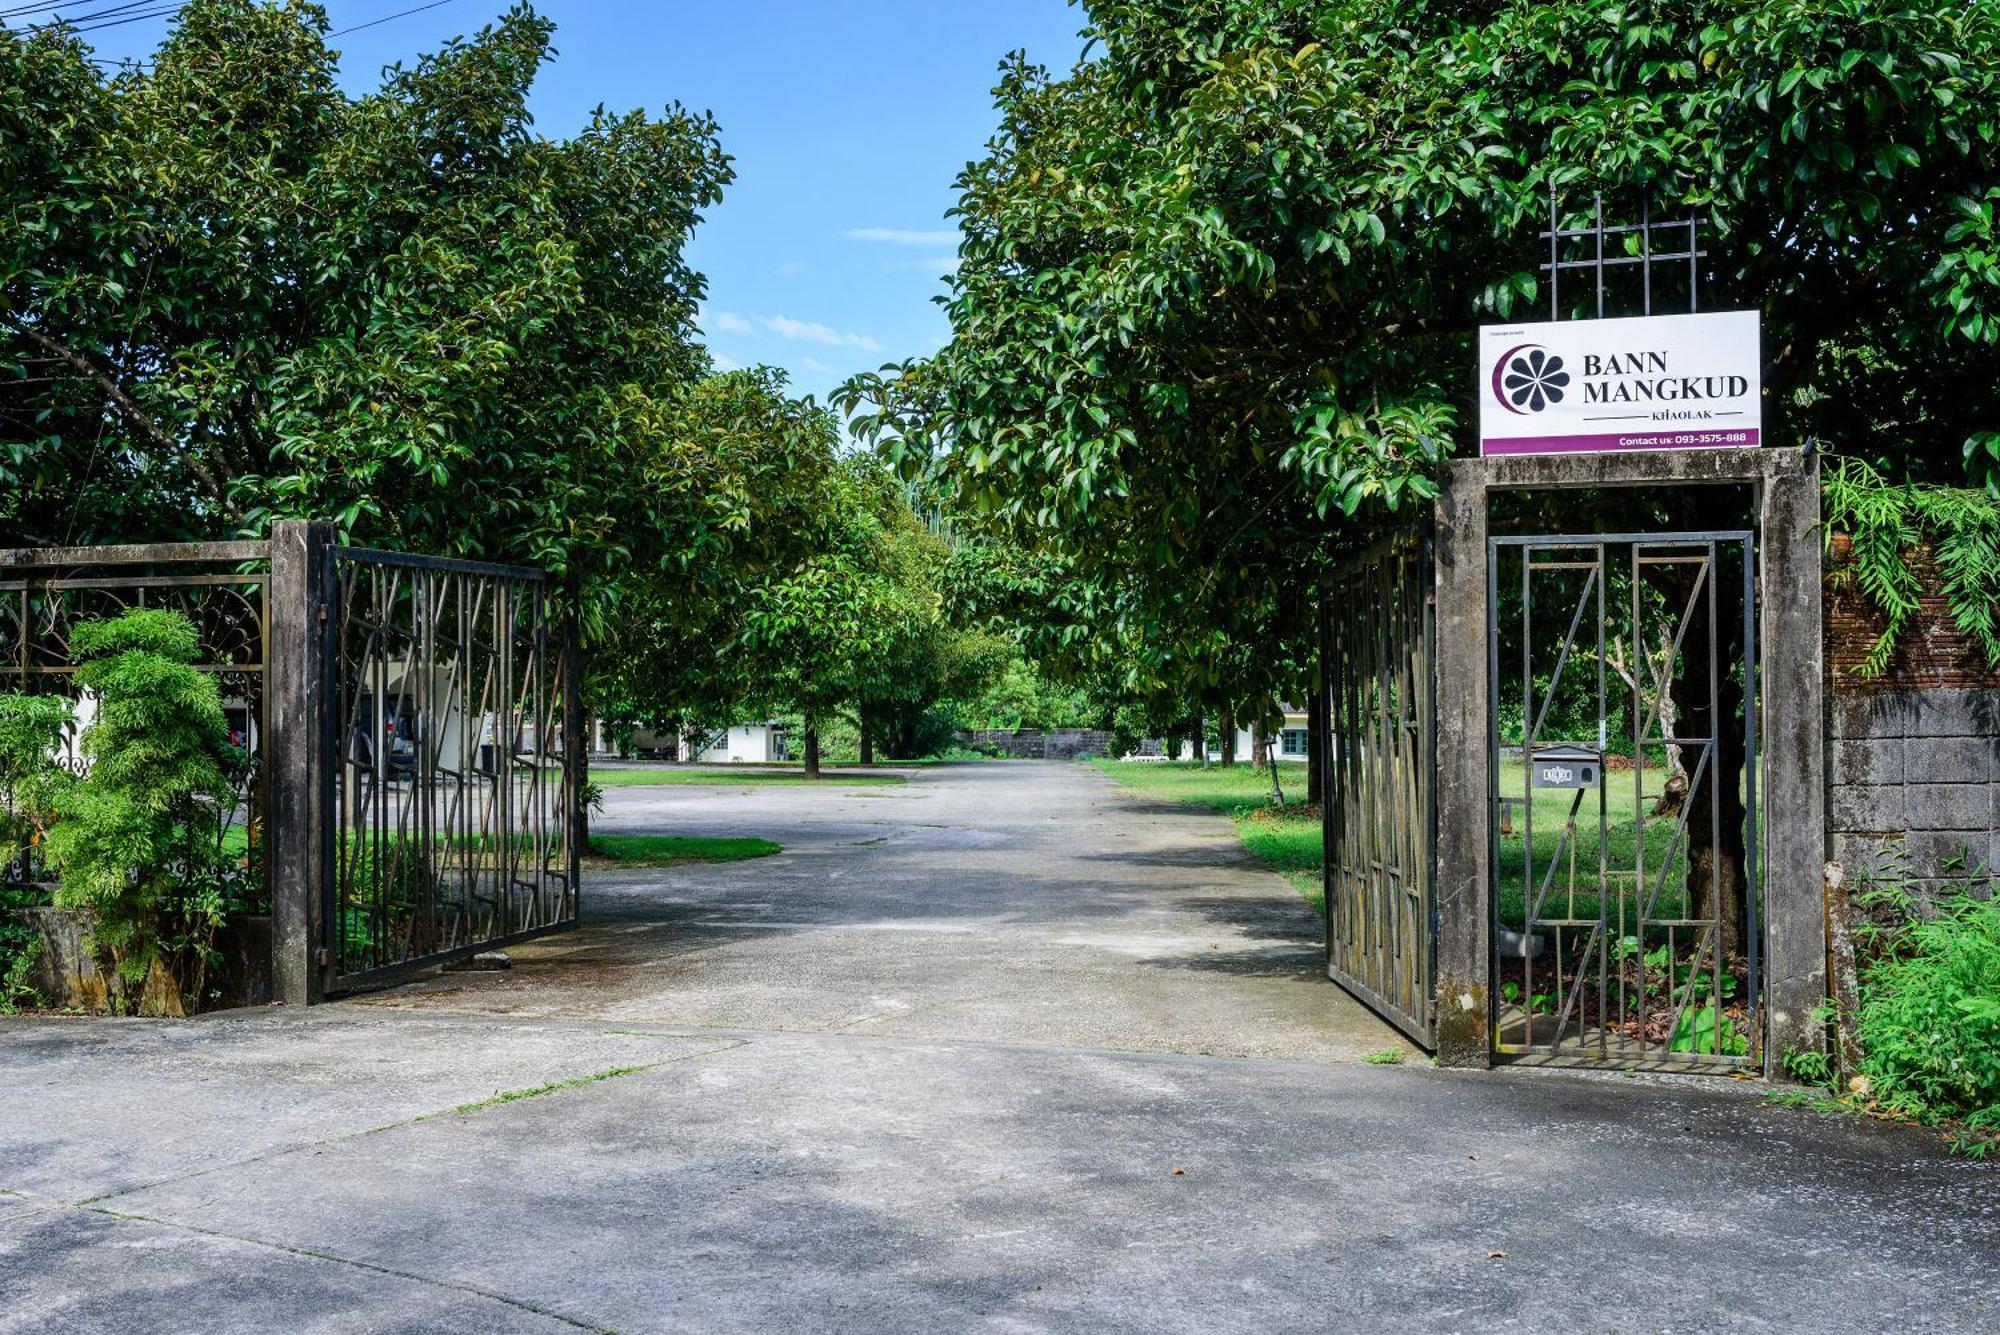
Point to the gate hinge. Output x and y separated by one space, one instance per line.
323 958
322 614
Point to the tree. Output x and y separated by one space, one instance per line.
741 487
1219 282
834 630
229 292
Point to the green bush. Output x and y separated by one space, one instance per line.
32 784
1928 1022
137 838
1929 1019
31 787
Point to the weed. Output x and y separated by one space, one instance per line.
1386 1057
15 989
537 1091
1812 1068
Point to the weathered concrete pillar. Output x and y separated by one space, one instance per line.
301 752
1464 796
1793 743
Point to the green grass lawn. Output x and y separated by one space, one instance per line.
1552 811
1288 840
659 778
666 850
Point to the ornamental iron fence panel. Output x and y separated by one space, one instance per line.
1623 668
453 724
1379 638
222 588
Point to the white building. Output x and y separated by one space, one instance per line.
741 743
746 743
1290 741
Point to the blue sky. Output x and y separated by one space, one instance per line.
848 120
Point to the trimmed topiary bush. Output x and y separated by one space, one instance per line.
137 838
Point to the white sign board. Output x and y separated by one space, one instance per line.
1661 382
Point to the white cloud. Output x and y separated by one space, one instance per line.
790 269
815 365
724 322
900 236
937 264
724 362
807 331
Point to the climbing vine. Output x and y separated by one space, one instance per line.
1886 522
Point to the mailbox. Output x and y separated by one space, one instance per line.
1567 767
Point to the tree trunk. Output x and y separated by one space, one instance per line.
1715 847
812 752
1226 725
1315 745
1198 734
867 737
1260 746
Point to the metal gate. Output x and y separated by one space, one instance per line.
453 712
1379 638
1623 759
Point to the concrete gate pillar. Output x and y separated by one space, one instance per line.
1791 725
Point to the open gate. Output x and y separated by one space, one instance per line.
1379 654
453 720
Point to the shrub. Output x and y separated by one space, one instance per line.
1929 1017
137 838
32 783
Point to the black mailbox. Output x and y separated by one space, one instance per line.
1567 767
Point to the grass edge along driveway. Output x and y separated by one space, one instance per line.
669 850
1286 840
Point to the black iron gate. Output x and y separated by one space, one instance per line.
453 714
1379 638
1623 759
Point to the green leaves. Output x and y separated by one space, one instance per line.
401 311
139 833
1886 525
1213 322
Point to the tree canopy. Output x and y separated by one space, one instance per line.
230 292
1213 322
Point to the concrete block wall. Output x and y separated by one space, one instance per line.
1915 771
1913 756
1037 744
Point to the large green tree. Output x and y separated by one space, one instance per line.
1219 281
228 292
842 626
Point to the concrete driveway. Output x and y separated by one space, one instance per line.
1003 1048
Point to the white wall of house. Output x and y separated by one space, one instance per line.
746 743
1290 741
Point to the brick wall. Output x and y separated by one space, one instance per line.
1913 756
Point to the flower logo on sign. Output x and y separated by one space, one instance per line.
1530 380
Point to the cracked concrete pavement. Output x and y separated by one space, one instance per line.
1003 1048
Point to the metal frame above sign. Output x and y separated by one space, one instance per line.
1688 381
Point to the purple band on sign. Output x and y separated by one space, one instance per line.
1727 439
